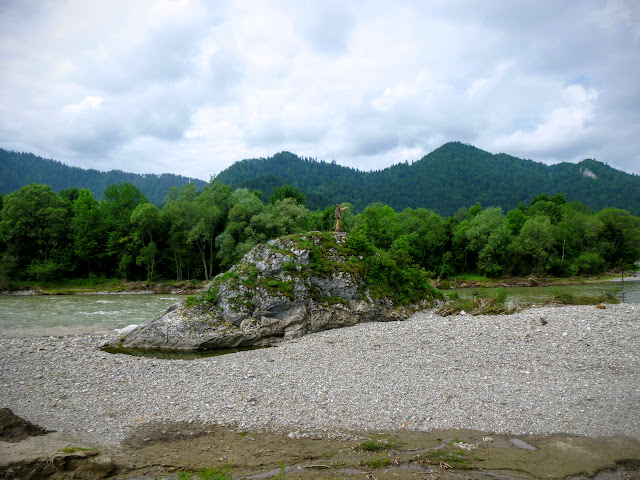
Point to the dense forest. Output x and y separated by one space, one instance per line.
20 169
453 176
196 234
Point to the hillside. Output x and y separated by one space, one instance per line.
20 169
452 176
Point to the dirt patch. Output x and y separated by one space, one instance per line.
165 450
15 429
169 450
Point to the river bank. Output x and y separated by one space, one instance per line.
189 287
572 371
106 287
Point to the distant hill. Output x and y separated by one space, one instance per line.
20 169
452 176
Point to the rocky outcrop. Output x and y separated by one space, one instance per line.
289 287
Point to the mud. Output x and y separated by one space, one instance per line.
160 450
15 429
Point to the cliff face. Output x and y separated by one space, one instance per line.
289 287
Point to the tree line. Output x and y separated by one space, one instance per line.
196 234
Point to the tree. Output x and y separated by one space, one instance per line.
211 211
146 219
88 234
179 213
119 203
619 238
35 226
239 235
488 238
536 240
287 191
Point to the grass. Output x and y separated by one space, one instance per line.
209 296
377 462
281 474
456 459
210 473
378 444
566 298
77 449
483 302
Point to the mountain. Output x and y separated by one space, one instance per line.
20 169
452 176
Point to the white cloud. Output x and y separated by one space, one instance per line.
87 103
138 85
566 127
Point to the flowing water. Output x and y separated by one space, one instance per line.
70 314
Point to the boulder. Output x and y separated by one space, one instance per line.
289 287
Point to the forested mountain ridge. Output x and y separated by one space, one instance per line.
20 169
452 176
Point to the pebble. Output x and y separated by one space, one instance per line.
498 374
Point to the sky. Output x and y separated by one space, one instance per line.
190 87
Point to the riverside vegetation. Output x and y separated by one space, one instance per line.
48 237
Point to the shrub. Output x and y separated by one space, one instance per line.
589 263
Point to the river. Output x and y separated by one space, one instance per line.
536 295
71 314
75 314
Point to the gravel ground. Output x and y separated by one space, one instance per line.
577 374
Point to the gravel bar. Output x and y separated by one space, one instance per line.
546 370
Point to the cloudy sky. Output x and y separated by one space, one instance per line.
190 87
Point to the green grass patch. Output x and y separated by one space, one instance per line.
493 301
77 449
378 444
210 473
333 300
377 462
559 297
455 459
210 296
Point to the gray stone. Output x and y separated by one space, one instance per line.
274 294
516 442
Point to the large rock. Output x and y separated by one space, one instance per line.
289 287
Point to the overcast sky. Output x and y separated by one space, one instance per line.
190 87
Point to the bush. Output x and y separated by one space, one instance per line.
358 241
45 271
590 263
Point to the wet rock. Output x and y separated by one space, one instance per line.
16 429
516 442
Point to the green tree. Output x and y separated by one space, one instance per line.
212 209
146 220
239 235
488 238
88 233
180 215
619 238
536 241
119 203
287 191
35 227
